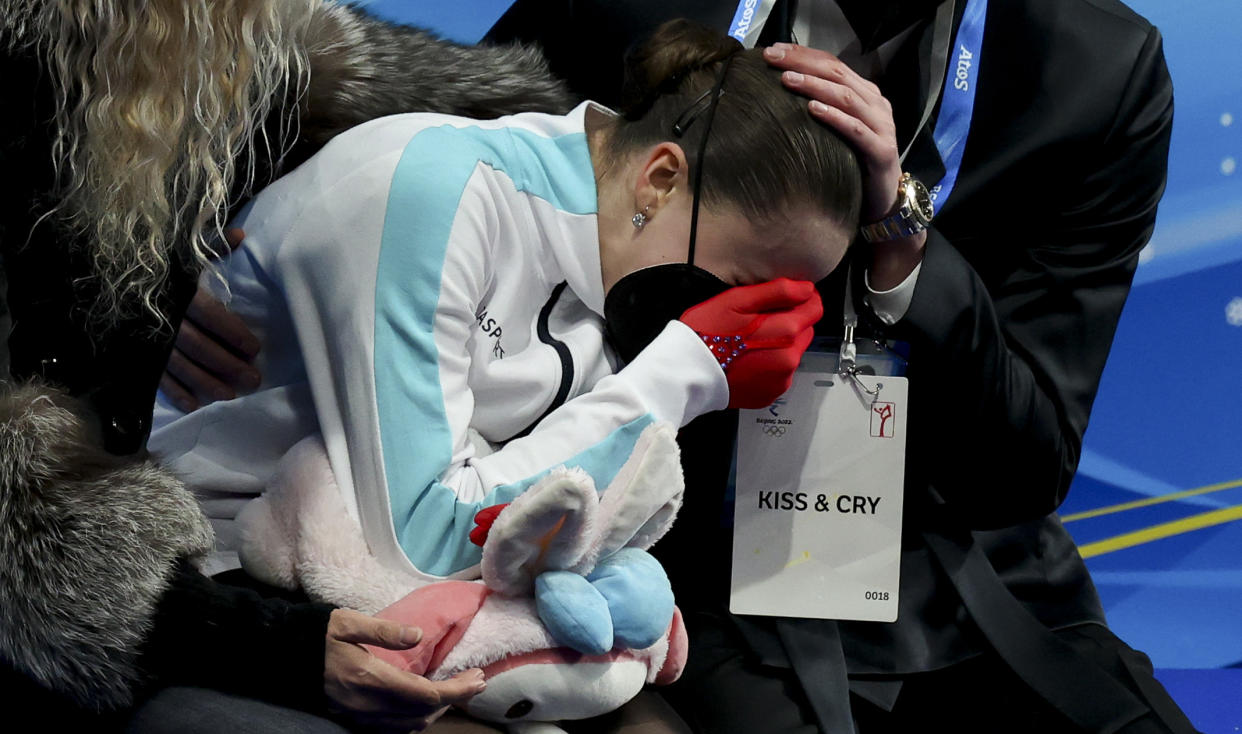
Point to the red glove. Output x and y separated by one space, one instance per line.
758 334
483 520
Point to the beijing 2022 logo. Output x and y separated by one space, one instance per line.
773 428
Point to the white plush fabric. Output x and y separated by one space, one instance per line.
299 534
504 626
598 688
550 526
642 501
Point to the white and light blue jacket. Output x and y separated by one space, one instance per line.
422 282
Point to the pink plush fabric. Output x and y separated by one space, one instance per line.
504 627
678 649
559 524
554 656
443 612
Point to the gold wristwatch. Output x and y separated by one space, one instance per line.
914 213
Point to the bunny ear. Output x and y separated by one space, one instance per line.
548 526
640 505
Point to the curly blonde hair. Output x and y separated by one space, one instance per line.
156 101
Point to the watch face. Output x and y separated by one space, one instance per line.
920 200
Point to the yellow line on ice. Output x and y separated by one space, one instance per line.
806 556
1161 531
1152 501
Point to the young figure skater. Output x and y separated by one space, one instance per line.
432 292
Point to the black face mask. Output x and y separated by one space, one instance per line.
643 302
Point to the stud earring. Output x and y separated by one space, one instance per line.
640 218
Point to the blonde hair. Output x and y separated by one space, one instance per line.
156 100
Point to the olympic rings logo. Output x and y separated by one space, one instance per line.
774 431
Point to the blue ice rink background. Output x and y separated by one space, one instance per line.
1157 502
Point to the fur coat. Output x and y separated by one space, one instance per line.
90 544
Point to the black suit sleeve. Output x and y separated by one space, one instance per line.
210 634
1007 370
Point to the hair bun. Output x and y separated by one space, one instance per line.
658 65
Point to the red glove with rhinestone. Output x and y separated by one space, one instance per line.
758 334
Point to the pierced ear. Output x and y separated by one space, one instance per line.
664 173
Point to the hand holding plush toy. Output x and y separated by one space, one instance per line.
572 616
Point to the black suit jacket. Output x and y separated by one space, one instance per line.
1026 270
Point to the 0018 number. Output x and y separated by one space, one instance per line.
876 596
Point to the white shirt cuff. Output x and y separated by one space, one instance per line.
890 306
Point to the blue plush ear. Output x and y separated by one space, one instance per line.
639 596
574 612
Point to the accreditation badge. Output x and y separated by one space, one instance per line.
818 497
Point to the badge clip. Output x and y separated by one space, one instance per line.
848 363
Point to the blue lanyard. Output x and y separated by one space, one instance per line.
957 104
957 100
748 20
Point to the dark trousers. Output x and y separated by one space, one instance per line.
203 711
725 689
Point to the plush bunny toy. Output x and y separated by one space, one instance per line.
571 617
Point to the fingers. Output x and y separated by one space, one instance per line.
773 351
347 625
176 392
781 329
407 692
212 316
878 146
853 107
461 687
211 356
816 63
774 295
809 312
875 113
744 310
204 386
375 694
234 236
802 341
